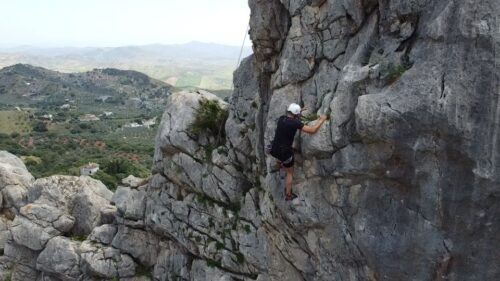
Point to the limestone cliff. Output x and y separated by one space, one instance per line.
402 182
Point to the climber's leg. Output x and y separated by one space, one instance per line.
288 181
288 165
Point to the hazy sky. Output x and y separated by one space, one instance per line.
50 23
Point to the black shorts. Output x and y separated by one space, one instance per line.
289 162
285 155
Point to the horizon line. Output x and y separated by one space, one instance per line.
7 46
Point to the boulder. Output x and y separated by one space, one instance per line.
103 234
81 197
30 234
14 196
139 244
130 203
48 216
133 182
14 181
60 258
13 171
108 214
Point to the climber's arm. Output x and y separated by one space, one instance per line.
314 128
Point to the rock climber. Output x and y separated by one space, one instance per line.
281 147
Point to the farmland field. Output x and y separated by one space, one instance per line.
13 121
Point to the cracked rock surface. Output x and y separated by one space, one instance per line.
401 183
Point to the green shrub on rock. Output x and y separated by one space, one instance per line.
391 71
309 118
8 276
109 181
210 119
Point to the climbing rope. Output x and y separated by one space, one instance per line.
243 46
241 53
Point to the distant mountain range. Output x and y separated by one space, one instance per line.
191 50
195 64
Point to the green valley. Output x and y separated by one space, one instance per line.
58 122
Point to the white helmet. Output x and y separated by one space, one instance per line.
294 109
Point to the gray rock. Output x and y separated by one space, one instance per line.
319 145
5 268
105 262
18 254
137 278
140 244
201 271
173 136
133 182
130 203
46 277
60 258
30 234
22 272
81 197
4 231
14 196
48 216
103 234
108 214
13 171
172 262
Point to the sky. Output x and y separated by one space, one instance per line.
111 23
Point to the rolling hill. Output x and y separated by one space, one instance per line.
195 64
29 85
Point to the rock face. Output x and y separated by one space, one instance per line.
402 182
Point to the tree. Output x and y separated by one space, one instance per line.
40 127
108 180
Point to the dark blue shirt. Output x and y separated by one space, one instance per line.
285 131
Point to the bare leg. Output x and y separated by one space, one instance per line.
288 180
